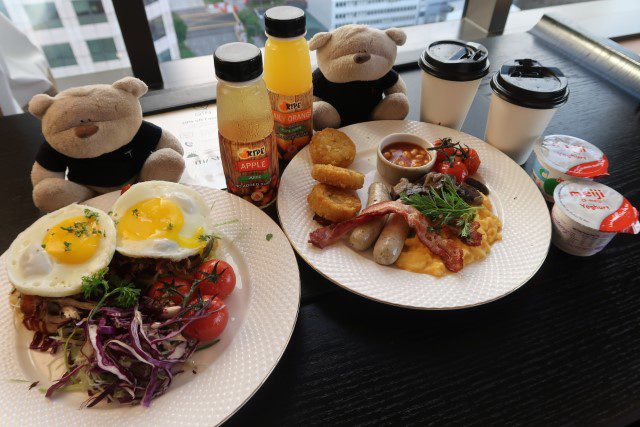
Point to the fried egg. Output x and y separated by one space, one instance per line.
158 219
50 257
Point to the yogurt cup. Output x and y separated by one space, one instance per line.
525 97
561 158
587 215
452 72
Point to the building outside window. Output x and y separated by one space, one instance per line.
157 28
89 11
59 55
43 15
102 49
164 56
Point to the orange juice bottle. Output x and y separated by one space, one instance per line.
245 124
287 73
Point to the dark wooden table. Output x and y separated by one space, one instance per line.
564 349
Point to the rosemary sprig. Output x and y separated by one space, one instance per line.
444 207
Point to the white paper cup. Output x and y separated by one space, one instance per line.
513 129
525 97
446 102
451 73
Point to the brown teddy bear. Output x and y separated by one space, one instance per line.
95 136
354 71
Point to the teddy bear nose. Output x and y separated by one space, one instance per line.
85 131
361 58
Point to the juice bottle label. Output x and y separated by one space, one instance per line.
292 117
251 169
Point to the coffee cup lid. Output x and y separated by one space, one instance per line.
528 83
455 60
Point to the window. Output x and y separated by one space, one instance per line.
89 11
148 2
59 55
164 56
157 28
43 15
102 49
3 9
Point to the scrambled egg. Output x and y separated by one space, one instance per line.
416 257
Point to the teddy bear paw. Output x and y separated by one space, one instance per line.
54 193
325 116
163 165
392 107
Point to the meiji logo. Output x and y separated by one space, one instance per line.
245 153
290 106
598 194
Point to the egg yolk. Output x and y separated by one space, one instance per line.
73 241
158 218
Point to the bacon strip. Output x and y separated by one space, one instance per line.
445 248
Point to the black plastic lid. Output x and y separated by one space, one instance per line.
455 60
237 62
285 22
528 83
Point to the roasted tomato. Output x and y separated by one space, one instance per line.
471 160
216 278
125 188
444 153
170 289
210 327
457 169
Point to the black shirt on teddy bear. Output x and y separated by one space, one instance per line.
354 101
110 169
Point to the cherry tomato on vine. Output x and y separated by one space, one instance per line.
216 278
472 160
169 289
210 327
444 153
456 169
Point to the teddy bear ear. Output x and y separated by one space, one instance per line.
134 86
398 36
319 40
39 104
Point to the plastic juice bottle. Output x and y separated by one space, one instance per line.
287 73
245 124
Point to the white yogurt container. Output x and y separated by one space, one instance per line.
587 215
561 158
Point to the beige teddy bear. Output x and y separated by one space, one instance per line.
96 138
354 72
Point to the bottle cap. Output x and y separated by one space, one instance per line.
237 62
527 83
456 60
285 22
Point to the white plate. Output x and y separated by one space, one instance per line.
517 202
263 310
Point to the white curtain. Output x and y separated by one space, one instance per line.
24 70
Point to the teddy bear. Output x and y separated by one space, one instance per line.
354 72
95 141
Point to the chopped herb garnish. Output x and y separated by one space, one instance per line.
204 237
136 213
67 246
269 237
78 229
170 226
43 246
88 213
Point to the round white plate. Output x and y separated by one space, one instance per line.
516 200
263 310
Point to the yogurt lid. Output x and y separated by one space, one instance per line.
572 156
596 206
